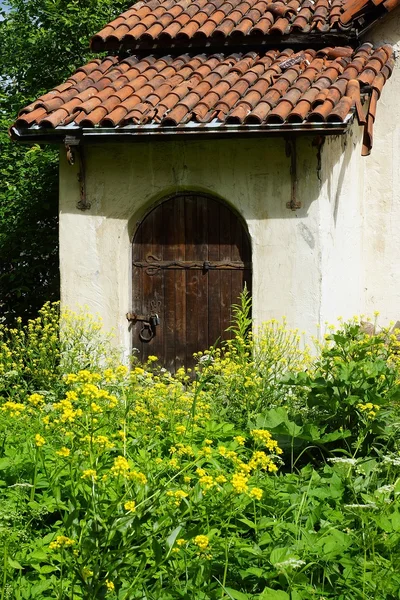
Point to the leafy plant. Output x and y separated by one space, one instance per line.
136 484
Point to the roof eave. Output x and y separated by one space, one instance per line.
135 133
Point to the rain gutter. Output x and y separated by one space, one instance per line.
136 133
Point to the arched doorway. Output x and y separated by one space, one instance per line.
191 258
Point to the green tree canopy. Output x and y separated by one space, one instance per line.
42 42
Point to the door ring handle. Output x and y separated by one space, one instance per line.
146 337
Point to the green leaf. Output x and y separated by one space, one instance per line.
395 518
235 594
157 550
270 594
14 563
280 555
173 535
4 463
272 418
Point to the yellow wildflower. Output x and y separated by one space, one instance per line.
206 482
201 542
110 586
220 479
138 476
180 542
14 408
61 541
120 467
130 505
39 440
36 399
64 452
89 474
239 482
239 439
256 493
86 573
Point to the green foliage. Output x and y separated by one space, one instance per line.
353 386
126 485
42 42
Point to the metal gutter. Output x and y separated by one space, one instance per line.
134 133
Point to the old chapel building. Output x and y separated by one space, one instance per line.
222 142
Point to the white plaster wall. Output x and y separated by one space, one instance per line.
306 263
341 222
381 241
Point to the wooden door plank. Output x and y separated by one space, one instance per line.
214 279
170 247
201 237
180 286
225 240
195 304
192 282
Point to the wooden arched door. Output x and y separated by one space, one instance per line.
191 259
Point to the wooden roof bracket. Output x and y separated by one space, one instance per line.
290 149
74 152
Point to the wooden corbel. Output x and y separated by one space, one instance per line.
75 153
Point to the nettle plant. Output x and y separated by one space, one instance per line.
268 475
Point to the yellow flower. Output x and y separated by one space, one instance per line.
71 396
240 440
130 505
61 541
39 440
86 572
239 482
256 493
220 479
263 436
14 408
110 586
201 542
89 474
180 542
36 399
138 476
120 467
64 452
206 482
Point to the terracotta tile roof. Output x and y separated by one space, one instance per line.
197 21
275 87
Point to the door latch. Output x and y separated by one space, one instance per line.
150 322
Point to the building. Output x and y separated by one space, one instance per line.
220 143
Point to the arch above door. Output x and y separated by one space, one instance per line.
191 257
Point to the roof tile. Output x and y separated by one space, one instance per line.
167 21
273 87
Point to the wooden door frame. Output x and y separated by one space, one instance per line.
165 198
190 192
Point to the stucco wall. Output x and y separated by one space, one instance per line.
306 263
381 241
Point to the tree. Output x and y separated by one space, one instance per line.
42 42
